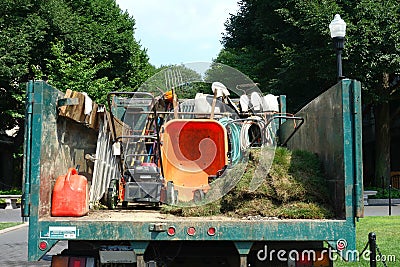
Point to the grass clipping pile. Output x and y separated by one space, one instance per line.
294 188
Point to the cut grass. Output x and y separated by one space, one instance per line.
4 225
294 188
387 229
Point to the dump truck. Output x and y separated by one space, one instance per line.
139 152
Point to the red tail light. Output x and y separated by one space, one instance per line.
211 231
171 231
191 231
43 245
77 262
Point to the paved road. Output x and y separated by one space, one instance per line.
13 243
13 249
381 210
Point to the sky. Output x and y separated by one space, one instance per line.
179 31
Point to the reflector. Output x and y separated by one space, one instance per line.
191 231
171 230
77 262
42 245
211 231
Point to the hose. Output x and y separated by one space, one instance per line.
234 130
267 137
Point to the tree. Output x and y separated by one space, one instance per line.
85 45
182 78
285 45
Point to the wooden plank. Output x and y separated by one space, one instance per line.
63 109
93 120
121 128
75 112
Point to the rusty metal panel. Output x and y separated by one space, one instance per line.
332 130
53 151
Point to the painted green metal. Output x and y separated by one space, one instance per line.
139 247
243 248
357 142
27 150
239 230
339 148
282 107
332 130
44 104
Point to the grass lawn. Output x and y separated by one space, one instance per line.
4 225
387 230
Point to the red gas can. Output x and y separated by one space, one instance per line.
70 195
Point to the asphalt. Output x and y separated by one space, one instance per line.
382 210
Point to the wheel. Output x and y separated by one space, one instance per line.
112 195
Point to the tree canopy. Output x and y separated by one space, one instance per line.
85 45
285 45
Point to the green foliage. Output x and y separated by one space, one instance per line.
286 46
83 45
4 225
14 191
383 193
387 230
79 73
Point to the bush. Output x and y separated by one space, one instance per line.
383 193
14 191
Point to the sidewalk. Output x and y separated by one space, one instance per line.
381 210
10 215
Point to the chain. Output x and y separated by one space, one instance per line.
380 255
379 252
366 246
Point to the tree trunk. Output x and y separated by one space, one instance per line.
382 138
382 145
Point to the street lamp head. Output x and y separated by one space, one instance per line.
337 27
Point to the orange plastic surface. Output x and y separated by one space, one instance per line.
191 151
70 195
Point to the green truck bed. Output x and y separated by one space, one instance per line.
332 129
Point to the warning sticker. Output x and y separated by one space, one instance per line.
58 232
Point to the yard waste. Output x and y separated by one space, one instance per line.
294 188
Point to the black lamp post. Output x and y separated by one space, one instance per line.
338 31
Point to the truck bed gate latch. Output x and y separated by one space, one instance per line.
158 227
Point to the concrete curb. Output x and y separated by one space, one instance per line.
9 229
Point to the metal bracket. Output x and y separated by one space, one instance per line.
67 102
157 227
